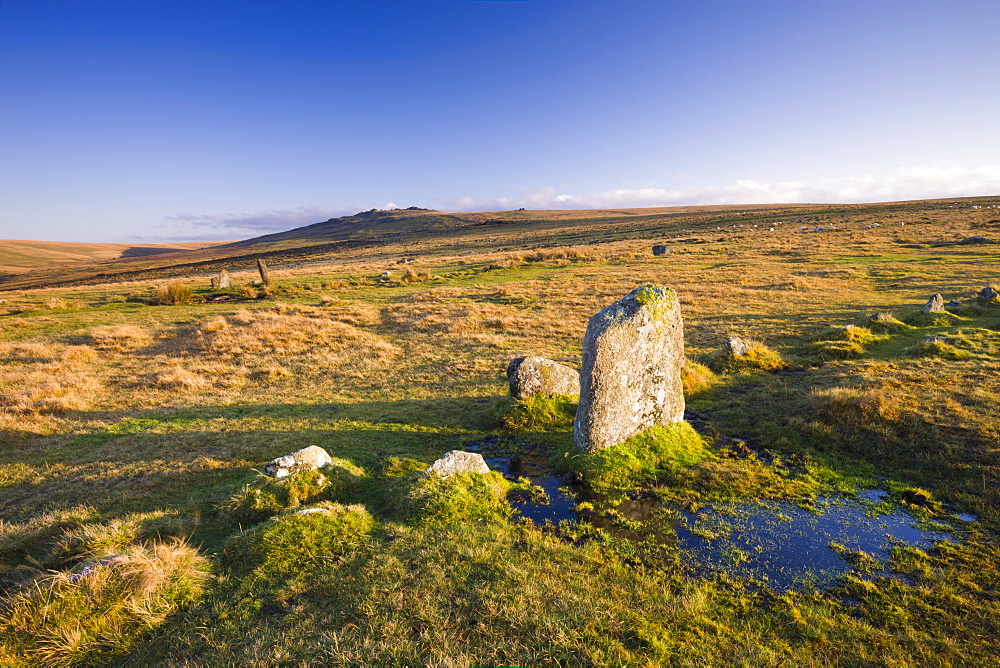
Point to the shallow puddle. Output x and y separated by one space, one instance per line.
778 544
786 546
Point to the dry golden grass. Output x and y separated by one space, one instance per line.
120 337
73 619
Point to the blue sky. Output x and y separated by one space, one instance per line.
147 121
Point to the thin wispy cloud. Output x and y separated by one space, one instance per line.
924 182
243 225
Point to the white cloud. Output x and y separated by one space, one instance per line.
922 182
244 225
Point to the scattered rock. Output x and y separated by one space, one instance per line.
988 293
633 353
976 240
953 302
736 346
312 511
306 459
934 305
660 249
222 281
530 376
458 461
107 562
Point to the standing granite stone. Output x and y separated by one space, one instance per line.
222 281
265 275
306 459
529 376
660 249
633 354
934 305
458 461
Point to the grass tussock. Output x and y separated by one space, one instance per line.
845 342
885 322
553 413
120 338
285 331
90 616
697 378
173 293
266 497
758 358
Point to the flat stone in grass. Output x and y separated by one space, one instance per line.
306 459
633 353
934 305
458 461
530 376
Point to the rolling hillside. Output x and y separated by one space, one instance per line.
17 256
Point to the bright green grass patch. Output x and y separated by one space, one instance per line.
643 458
461 498
279 548
539 413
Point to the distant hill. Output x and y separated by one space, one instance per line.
18 256
395 234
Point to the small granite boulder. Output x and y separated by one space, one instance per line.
660 249
988 293
976 240
530 376
934 305
222 281
306 459
736 346
458 461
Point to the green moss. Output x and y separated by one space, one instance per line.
645 457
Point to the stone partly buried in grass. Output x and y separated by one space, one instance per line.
633 353
537 376
306 459
458 461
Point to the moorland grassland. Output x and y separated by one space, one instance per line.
135 424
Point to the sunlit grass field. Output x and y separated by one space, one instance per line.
140 430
